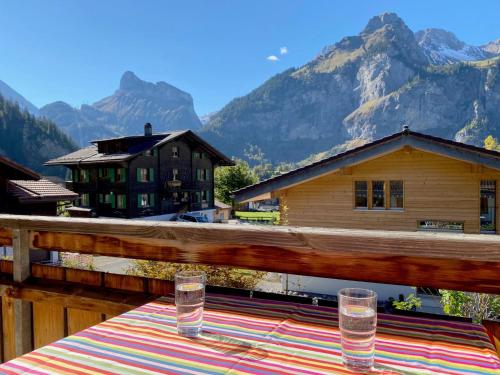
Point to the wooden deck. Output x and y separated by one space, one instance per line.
43 303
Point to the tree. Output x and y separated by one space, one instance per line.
229 179
220 276
410 304
491 143
477 306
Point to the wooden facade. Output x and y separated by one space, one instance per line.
407 181
436 188
146 175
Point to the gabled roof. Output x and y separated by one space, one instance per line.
139 144
391 143
18 169
38 191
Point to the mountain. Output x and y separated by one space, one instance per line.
31 141
364 87
443 47
125 112
10 94
492 47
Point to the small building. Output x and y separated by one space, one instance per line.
222 211
407 181
150 175
25 192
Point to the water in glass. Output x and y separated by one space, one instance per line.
358 323
189 301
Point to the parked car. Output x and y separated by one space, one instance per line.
191 218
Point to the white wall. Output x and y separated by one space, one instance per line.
321 285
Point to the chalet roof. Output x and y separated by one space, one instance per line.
19 169
139 144
38 190
394 142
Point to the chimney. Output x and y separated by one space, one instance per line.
406 129
148 130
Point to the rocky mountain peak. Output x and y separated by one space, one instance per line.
130 81
438 37
385 20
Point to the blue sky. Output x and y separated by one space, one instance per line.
76 51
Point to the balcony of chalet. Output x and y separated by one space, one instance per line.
80 321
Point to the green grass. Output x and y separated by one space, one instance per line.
258 216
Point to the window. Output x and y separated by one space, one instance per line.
145 200
121 175
185 197
107 174
85 200
488 202
361 194
378 194
197 197
175 197
121 201
396 194
145 174
197 155
175 152
175 174
108 199
203 174
205 196
81 175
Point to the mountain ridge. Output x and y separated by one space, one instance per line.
134 103
363 87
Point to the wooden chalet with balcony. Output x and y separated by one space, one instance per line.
147 175
407 181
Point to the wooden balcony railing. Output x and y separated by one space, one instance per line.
437 260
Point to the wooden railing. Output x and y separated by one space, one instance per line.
438 260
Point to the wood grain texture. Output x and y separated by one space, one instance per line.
436 188
79 320
8 328
48 323
444 260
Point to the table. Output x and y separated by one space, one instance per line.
255 336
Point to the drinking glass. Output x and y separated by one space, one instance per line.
357 323
189 301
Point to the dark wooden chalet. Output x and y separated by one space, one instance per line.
23 191
146 175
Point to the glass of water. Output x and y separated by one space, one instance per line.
189 301
358 323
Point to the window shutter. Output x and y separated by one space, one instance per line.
152 199
139 200
138 174
100 172
207 174
75 175
151 174
112 172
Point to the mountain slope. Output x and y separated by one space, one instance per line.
364 87
31 141
125 112
443 47
10 94
301 111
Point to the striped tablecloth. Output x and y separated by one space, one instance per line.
251 336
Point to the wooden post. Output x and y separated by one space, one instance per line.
22 309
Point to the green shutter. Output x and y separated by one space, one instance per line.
152 199
100 172
75 175
151 174
138 172
124 201
112 174
198 174
139 199
87 175
207 174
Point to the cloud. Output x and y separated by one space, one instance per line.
272 58
283 50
